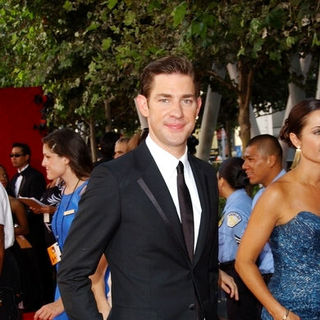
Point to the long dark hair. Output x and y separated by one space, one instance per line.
69 144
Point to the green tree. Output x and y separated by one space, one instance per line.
251 35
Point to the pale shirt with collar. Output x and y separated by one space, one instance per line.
19 180
6 218
167 165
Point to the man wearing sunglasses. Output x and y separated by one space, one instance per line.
28 182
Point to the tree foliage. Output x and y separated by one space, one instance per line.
89 53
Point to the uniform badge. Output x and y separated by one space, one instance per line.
233 219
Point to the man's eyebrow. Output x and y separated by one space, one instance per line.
167 95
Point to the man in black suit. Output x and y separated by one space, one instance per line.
27 182
36 272
162 253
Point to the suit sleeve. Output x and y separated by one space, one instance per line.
37 186
90 233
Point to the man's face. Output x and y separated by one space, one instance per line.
255 165
171 109
18 159
120 148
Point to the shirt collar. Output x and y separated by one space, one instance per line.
24 168
166 162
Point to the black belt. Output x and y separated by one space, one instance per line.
225 266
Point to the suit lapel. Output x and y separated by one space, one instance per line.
155 188
202 186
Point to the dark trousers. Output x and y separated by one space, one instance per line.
247 307
9 288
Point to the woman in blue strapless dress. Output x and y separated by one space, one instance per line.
288 215
66 156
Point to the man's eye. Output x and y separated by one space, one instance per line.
164 100
188 101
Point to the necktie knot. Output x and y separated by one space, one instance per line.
180 168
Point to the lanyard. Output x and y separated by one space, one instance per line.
66 209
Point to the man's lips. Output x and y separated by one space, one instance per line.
175 126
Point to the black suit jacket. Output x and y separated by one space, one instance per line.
127 213
33 183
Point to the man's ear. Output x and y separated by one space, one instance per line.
199 102
271 160
142 105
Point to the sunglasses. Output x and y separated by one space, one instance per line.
15 155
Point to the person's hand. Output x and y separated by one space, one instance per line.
228 285
44 209
49 311
291 316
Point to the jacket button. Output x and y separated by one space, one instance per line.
191 306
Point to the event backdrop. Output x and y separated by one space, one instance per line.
20 121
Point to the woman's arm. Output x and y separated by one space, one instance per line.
99 287
19 211
264 218
44 209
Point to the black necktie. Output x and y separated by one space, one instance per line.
186 211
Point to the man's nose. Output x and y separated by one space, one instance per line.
245 165
176 109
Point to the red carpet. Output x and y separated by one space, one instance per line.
28 316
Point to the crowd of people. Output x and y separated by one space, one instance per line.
137 234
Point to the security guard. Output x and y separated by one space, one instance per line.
231 182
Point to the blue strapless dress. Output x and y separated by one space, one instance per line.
296 279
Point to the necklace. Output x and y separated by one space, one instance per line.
74 189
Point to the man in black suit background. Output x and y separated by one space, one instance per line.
156 225
36 272
27 182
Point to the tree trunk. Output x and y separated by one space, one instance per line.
209 119
242 76
298 67
244 96
93 145
107 112
254 130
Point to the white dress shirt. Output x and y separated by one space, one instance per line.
19 180
167 165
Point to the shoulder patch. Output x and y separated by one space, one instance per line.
233 219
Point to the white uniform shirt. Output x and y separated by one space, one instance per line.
6 218
167 165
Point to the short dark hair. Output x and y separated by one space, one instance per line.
69 144
5 172
267 144
231 170
167 65
23 146
106 145
297 119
